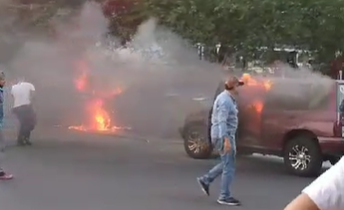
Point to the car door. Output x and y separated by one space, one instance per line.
281 112
251 101
274 121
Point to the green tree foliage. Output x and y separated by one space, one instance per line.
316 25
124 17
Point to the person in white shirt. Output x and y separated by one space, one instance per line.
22 93
325 193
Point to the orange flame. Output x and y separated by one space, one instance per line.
99 118
267 84
249 81
258 105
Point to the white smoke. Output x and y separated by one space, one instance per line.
160 73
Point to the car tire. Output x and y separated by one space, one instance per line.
303 157
196 141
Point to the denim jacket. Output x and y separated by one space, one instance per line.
224 118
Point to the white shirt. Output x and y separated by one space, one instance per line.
327 191
22 93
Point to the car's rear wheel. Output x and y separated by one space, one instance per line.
302 156
196 142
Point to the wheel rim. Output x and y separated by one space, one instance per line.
299 157
196 142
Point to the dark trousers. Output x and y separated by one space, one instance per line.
27 121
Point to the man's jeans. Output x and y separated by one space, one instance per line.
226 168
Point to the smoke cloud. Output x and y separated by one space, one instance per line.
160 74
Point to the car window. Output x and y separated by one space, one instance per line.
304 97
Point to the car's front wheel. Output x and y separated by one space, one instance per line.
302 156
196 142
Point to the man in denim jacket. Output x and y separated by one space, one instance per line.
3 175
224 121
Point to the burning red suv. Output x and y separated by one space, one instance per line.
301 125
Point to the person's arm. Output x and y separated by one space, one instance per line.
302 202
325 193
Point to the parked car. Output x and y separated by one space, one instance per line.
300 125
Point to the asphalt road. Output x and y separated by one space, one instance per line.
95 172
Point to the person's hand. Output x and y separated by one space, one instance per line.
227 145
